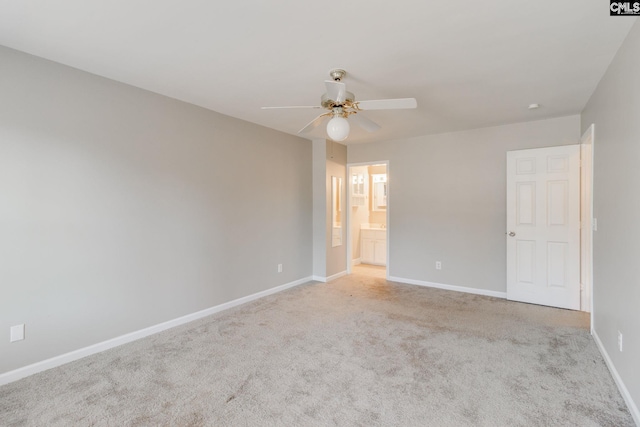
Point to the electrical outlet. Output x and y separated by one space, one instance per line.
279 268
595 224
438 265
619 340
16 333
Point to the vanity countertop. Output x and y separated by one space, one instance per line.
366 226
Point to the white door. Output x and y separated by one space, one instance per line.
543 226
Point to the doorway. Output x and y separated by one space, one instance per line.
586 219
367 218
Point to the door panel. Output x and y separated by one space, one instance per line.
557 264
526 166
557 201
526 258
543 226
526 204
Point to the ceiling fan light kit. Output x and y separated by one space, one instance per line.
338 128
342 105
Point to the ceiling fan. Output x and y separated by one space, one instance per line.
342 105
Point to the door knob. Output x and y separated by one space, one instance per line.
512 233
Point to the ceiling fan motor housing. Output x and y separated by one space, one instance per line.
330 103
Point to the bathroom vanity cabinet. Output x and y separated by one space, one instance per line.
373 246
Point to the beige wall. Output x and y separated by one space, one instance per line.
447 199
336 166
320 203
121 209
329 159
614 108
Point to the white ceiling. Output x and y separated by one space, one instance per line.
471 64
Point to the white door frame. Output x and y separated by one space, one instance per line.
348 216
586 218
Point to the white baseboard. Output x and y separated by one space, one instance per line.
330 278
633 408
25 371
337 276
356 261
450 287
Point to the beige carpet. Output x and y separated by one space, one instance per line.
358 351
370 270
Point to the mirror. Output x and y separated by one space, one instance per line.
336 211
357 181
358 195
379 191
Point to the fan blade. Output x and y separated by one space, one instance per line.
278 108
364 123
387 104
336 91
314 123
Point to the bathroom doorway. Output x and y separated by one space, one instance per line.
368 219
